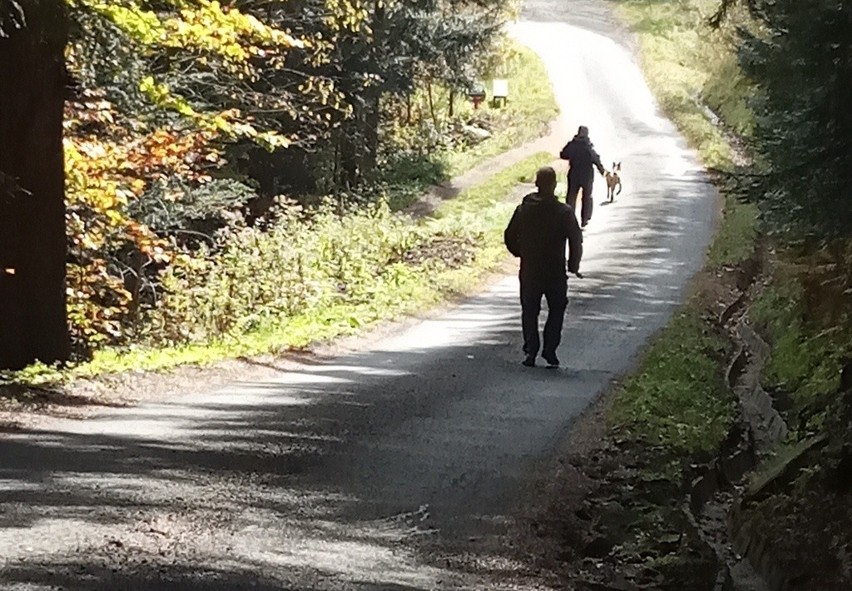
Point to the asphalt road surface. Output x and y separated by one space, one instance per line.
330 475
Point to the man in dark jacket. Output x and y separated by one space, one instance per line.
581 154
537 233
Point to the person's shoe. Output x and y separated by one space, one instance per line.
552 360
529 361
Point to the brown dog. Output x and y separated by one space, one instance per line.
613 180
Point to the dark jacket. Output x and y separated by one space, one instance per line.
537 233
580 152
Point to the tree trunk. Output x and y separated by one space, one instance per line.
372 120
33 322
373 95
431 101
348 150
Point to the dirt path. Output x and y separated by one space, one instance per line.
485 170
390 465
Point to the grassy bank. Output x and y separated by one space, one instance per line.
676 409
692 69
293 285
804 312
802 309
677 398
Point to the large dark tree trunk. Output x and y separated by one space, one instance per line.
33 322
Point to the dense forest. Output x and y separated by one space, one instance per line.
798 61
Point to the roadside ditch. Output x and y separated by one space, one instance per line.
626 514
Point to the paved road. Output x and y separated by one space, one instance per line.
331 474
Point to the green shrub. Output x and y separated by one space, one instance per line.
301 264
807 350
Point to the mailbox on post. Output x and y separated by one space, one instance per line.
500 92
477 94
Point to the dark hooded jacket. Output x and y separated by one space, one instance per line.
580 152
537 234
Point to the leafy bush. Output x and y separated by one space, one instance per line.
173 207
302 264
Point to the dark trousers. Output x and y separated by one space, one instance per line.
556 293
574 187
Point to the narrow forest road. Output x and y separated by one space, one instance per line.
339 473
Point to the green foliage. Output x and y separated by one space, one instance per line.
727 92
203 61
301 265
176 208
799 58
736 238
678 398
174 104
420 153
310 277
170 105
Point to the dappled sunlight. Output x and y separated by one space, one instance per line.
290 536
337 473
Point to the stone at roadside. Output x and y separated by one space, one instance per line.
476 133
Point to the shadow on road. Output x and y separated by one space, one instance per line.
349 472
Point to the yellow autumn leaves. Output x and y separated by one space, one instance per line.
203 25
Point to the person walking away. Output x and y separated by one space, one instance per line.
537 233
580 153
